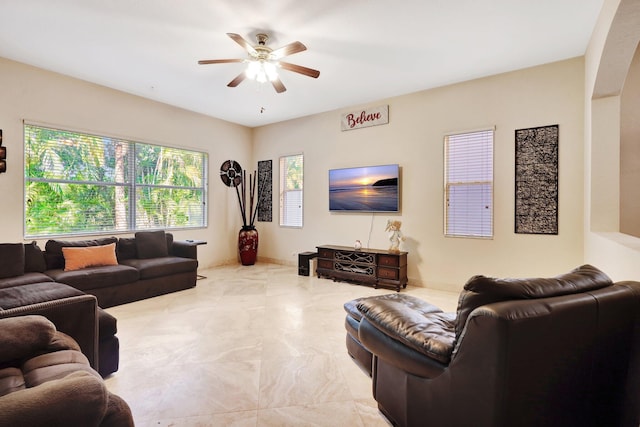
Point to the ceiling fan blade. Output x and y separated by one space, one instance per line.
242 42
300 69
218 61
235 82
287 50
277 85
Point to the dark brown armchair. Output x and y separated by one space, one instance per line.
563 351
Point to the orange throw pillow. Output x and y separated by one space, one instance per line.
89 256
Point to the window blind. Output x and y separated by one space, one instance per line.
469 184
291 190
77 183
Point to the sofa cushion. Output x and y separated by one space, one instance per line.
126 248
169 237
96 277
33 258
159 267
33 293
25 279
53 249
151 244
91 256
481 290
12 256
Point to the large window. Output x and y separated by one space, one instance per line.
77 183
469 184
291 190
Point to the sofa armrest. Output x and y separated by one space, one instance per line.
76 316
414 323
398 354
184 249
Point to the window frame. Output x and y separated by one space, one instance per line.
284 191
480 230
130 183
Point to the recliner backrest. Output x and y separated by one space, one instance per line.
572 359
482 290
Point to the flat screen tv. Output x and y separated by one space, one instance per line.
365 189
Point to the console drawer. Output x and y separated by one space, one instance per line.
388 273
392 261
325 263
325 253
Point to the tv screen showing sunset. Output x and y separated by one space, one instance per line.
370 189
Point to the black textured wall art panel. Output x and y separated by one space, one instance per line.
265 184
536 198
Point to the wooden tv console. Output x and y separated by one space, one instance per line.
375 267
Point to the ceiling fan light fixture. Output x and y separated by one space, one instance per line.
263 62
261 71
270 70
253 69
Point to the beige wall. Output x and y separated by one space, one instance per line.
630 151
545 95
607 61
44 97
549 94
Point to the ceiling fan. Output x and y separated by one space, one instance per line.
263 62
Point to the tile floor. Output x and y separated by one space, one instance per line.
248 346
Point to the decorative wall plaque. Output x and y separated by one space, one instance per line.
3 156
365 118
536 198
265 182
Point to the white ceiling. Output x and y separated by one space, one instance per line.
366 50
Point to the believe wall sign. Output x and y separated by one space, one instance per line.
537 180
365 118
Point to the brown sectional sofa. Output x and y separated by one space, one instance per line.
149 264
33 281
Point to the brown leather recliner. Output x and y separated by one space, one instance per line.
563 351
45 380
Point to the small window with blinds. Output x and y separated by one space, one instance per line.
468 184
77 183
291 190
